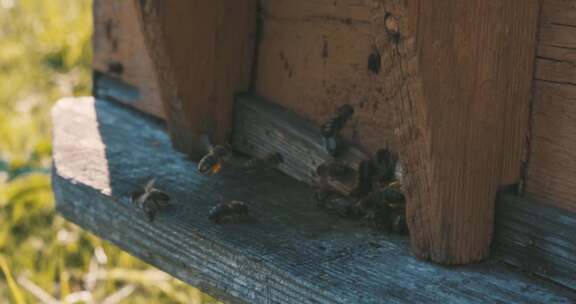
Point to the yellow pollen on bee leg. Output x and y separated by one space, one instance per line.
216 168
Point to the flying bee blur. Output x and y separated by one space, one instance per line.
270 160
229 212
212 162
333 201
330 130
150 200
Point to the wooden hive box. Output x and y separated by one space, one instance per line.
475 99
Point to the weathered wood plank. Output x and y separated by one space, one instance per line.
294 253
203 53
313 57
558 35
537 238
465 79
559 12
551 170
119 52
551 173
262 128
556 64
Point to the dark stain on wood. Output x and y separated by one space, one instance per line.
374 62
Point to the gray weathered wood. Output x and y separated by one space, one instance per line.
537 238
294 253
262 127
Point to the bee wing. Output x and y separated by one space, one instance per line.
135 196
204 141
149 185
161 198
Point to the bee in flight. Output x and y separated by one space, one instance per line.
229 212
330 130
150 200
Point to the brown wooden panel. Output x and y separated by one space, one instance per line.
446 96
552 170
313 58
119 52
556 64
558 23
559 12
202 51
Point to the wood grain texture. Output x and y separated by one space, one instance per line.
470 66
552 167
262 128
295 253
120 52
441 97
202 51
536 238
313 58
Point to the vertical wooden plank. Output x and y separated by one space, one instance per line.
203 51
551 177
120 53
465 68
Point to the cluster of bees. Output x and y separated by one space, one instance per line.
151 200
377 198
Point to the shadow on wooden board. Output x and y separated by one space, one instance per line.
293 253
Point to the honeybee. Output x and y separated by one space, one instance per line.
383 208
150 200
229 212
330 130
385 166
334 170
366 173
212 162
334 201
270 160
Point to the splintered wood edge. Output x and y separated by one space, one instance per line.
294 254
537 238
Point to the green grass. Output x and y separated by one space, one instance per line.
45 53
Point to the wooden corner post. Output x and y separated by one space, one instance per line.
203 53
462 116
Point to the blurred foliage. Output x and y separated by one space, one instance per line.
45 53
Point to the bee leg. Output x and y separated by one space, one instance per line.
399 224
149 210
332 144
150 215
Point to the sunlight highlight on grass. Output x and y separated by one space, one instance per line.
45 54
17 296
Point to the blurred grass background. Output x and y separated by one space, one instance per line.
45 54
